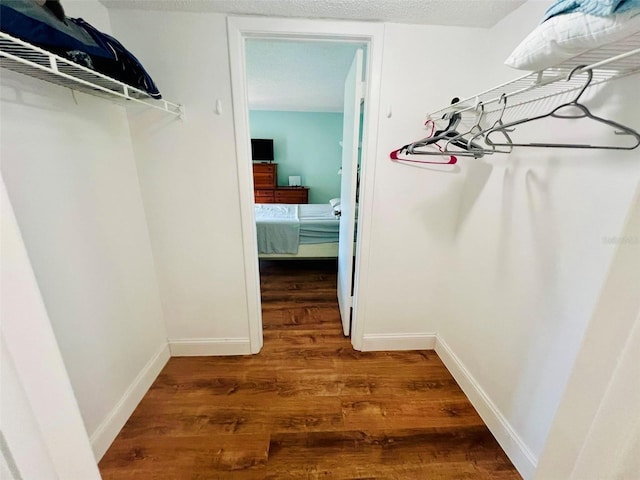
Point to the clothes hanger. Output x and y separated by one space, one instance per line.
452 137
468 144
556 113
454 119
496 124
395 156
448 133
407 148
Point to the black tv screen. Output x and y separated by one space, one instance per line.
262 149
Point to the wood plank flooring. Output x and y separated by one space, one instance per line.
307 407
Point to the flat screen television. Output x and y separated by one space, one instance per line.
262 149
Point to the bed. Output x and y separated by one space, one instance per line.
296 231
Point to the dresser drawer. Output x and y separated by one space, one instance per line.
291 195
264 175
264 196
264 180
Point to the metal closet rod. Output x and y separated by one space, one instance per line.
537 84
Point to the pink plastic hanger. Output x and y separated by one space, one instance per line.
395 154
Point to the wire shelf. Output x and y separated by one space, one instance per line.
22 57
615 60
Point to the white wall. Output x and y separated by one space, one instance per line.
187 171
529 258
67 161
414 207
596 430
42 435
503 258
612 447
189 182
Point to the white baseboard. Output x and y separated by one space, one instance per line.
109 428
517 451
401 341
196 347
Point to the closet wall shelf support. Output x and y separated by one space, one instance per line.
27 59
609 62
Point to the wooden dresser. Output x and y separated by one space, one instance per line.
291 195
265 180
266 189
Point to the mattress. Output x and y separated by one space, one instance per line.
316 250
318 224
282 228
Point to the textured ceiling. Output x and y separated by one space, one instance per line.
287 75
309 76
468 13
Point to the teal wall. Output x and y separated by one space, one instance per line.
304 144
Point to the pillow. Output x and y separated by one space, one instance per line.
565 36
334 202
601 8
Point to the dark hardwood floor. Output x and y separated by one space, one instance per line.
308 406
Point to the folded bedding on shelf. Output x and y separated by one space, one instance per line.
599 8
565 36
122 65
75 40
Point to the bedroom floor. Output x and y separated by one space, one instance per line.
308 406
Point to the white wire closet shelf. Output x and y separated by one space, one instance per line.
27 59
611 61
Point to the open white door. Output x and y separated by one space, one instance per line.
353 96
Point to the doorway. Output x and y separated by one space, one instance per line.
304 100
243 29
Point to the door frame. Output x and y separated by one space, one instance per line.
239 29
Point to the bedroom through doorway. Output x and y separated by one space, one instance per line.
302 117
364 79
